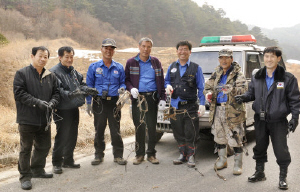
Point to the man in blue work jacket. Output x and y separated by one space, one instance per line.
182 81
108 77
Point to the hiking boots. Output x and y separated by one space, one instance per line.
120 161
138 160
153 160
97 161
26 185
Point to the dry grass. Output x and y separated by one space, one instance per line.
295 70
17 55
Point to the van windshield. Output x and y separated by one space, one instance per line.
208 60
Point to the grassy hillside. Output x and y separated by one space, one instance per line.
17 55
3 40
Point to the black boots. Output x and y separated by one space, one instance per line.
259 174
26 185
282 179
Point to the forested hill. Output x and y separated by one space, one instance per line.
89 21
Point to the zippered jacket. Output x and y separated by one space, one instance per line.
280 100
28 89
69 80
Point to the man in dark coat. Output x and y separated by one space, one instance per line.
275 94
72 90
36 93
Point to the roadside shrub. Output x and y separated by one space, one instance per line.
3 39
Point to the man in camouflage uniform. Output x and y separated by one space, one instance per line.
227 116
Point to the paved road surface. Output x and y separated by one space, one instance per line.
165 177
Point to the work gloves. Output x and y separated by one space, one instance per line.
121 91
201 110
208 96
44 105
91 91
240 98
169 89
162 105
75 93
293 123
89 109
51 105
88 91
134 93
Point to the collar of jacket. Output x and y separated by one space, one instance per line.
45 71
68 70
279 74
137 58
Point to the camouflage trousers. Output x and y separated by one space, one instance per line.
223 134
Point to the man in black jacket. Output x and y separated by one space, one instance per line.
36 93
276 94
72 90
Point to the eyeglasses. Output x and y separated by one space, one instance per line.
183 50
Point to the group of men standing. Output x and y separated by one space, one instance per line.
39 92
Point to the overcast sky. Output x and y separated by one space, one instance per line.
262 13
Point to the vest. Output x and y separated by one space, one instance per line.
184 87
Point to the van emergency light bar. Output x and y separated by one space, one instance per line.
227 40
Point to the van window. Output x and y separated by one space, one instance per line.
252 62
208 60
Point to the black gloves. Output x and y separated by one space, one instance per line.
91 91
293 125
239 99
88 91
44 105
75 93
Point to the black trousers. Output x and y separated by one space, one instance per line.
104 111
36 136
186 127
141 120
66 136
278 134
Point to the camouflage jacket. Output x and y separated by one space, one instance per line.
236 84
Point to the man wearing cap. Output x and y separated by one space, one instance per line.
226 115
108 77
145 81
183 79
